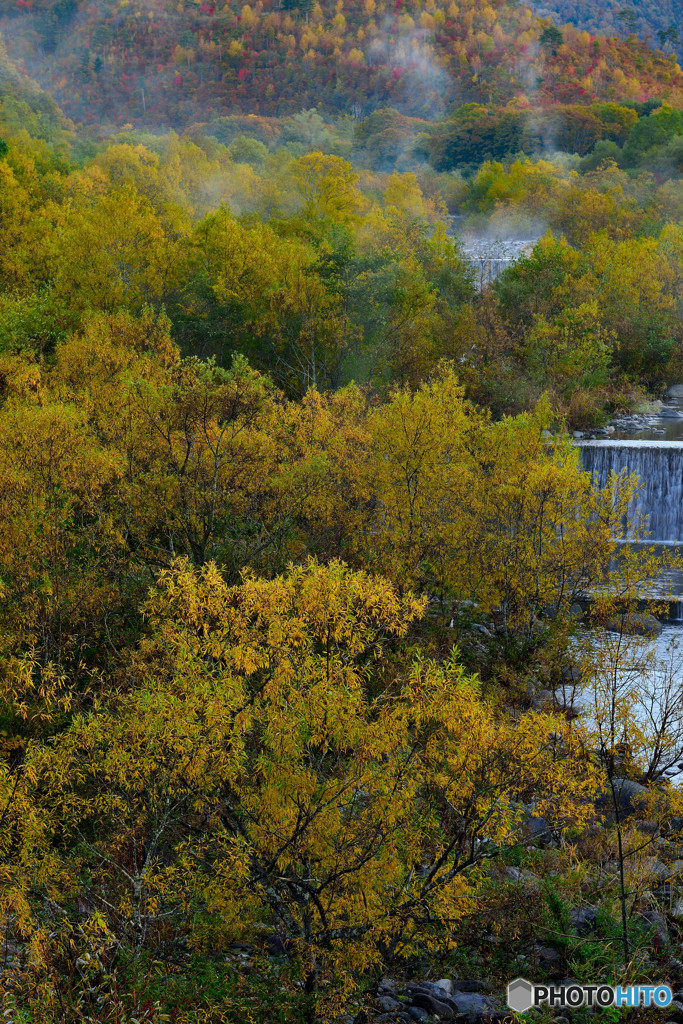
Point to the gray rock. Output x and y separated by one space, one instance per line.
675 1011
388 1003
429 1002
631 798
387 986
392 1018
539 829
418 1013
550 961
654 868
656 925
635 624
542 700
674 391
474 984
568 700
667 413
439 989
649 828
519 876
570 672
476 1006
583 919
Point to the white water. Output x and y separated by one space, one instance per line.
659 464
652 667
645 674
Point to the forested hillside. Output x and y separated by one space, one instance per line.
661 23
162 63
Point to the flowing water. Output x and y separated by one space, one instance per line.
659 464
654 451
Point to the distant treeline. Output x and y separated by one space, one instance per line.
629 133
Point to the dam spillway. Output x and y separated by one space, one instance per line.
659 465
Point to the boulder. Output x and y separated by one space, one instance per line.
542 700
441 989
656 925
567 699
635 624
654 868
674 1011
674 391
519 876
476 1006
539 829
277 945
667 413
570 672
388 1003
432 1004
418 1013
583 919
550 961
473 984
631 799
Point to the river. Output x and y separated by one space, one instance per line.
652 669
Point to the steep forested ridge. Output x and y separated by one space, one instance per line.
621 18
158 62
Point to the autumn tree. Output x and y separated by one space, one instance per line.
255 776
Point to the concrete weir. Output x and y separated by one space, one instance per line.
659 464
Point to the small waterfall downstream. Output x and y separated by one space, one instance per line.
651 665
659 464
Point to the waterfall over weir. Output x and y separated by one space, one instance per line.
659 464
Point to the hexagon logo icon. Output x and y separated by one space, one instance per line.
520 995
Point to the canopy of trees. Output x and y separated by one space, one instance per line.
292 530
157 62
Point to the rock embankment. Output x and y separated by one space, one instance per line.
467 1001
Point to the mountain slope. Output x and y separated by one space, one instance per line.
645 18
160 62
24 105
